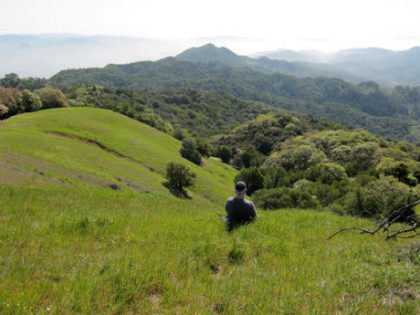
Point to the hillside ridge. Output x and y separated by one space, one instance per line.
365 105
75 144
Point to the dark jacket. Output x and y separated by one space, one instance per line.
239 211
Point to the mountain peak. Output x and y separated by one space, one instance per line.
209 53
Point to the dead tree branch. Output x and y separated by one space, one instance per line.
386 223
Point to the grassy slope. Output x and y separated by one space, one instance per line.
67 250
129 154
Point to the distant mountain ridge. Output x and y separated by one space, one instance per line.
387 112
376 64
210 53
44 55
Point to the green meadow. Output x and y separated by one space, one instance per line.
69 244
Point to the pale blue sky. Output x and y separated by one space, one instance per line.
242 25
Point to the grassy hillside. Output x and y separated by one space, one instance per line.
100 251
71 245
92 147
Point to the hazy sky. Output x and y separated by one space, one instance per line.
245 26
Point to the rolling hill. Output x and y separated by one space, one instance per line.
210 53
86 226
387 112
80 147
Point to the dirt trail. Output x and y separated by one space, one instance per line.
99 145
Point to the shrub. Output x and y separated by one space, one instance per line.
28 101
251 157
203 147
52 98
8 99
328 193
275 177
189 150
3 110
224 153
385 195
179 176
253 178
326 173
398 170
283 197
353 167
179 134
380 198
296 158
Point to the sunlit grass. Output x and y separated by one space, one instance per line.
50 147
71 245
101 251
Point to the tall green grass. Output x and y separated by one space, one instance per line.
71 245
66 251
50 147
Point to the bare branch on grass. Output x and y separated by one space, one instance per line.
386 224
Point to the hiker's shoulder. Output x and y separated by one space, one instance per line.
249 202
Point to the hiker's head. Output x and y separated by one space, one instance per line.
240 188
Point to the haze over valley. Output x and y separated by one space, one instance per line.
46 55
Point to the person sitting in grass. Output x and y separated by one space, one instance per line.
239 210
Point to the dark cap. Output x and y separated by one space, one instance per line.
240 186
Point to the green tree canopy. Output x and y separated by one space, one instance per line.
179 176
253 178
52 98
189 150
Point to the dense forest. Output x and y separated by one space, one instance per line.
288 160
388 112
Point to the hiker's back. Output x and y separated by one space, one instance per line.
240 210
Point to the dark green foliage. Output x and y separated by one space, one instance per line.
14 101
328 193
3 110
380 198
417 175
330 157
353 168
364 178
224 153
253 178
275 177
191 112
179 134
367 105
179 176
203 147
401 172
12 80
189 150
29 102
326 173
271 199
52 98
152 119
251 157
268 132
